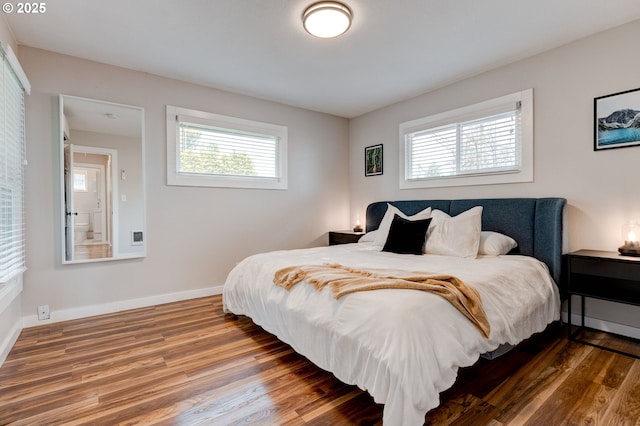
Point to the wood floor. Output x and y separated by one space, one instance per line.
92 251
188 363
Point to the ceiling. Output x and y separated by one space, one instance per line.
102 117
395 49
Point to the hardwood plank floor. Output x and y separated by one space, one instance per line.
92 251
187 363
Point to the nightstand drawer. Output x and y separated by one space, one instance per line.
605 268
344 237
604 275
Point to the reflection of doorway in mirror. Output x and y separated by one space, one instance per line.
89 182
89 188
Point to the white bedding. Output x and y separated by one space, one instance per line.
402 346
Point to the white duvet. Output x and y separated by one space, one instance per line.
402 346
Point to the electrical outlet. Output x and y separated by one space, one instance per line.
43 312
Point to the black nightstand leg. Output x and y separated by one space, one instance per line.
582 311
569 316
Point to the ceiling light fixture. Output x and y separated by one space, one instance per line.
326 19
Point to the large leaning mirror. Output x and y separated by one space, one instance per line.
102 182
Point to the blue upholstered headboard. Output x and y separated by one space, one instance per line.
535 223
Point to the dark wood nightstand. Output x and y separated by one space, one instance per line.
602 275
344 237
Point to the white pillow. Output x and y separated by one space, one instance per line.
455 236
495 243
369 237
437 216
385 224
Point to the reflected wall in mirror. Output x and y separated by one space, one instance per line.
102 182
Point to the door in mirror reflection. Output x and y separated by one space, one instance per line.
90 216
103 180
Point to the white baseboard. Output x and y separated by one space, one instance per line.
602 325
108 308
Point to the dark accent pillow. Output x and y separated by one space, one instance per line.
406 236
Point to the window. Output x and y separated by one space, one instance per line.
205 149
486 143
13 84
80 181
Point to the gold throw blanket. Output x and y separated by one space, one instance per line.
344 280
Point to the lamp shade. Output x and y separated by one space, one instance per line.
631 236
326 19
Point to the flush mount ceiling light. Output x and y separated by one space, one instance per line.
326 19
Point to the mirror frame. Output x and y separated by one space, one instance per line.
115 198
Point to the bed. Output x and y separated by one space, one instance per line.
403 346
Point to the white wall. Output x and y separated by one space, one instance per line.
194 235
6 35
601 187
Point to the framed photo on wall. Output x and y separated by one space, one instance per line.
373 160
617 120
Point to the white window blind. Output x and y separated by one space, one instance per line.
12 164
485 143
205 149
226 152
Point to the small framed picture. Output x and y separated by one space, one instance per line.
373 160
617 120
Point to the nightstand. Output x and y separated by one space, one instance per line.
344 237
602 275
